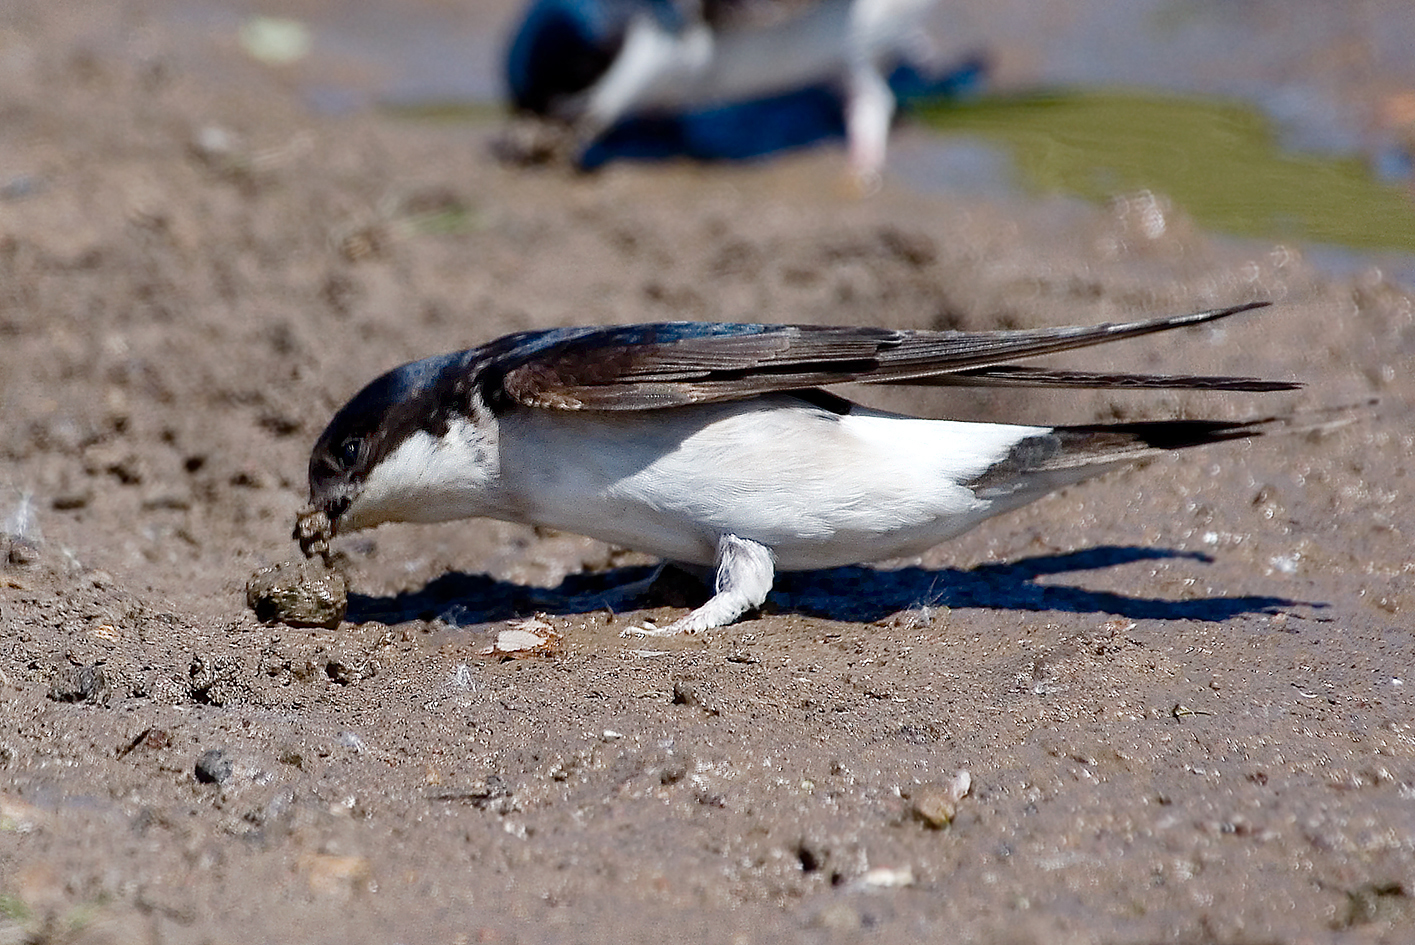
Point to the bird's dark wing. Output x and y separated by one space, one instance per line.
1012 375
642 367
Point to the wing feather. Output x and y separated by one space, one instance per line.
1012 375
643 367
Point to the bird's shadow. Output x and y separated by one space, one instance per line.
853 593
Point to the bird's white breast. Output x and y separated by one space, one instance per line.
819 489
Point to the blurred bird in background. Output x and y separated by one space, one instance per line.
726 79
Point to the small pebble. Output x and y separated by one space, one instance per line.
936 804
85 684
21 553
517 639
887 878
529 636
213 767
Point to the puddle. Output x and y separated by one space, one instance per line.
1218 160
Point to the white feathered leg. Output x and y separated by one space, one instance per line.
868 112
745 570
653 66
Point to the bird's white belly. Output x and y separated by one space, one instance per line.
819 489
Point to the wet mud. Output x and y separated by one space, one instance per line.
1180 694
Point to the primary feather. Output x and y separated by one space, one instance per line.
640 367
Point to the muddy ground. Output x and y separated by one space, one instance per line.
1182 693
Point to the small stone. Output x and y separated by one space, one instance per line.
213 767
686 692
532 635
888 878
352 741
86 684
20 553
937 804
517 639
274 40
934 806
345 672
299 593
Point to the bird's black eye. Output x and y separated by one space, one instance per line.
348 452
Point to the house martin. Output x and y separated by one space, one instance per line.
726 79
719 446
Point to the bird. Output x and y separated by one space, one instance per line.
726 79
719 445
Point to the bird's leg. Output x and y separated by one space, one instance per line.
868 111
653 59
744 574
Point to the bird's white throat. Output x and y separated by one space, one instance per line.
429 478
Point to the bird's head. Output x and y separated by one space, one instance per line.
397 452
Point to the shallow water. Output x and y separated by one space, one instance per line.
1218 159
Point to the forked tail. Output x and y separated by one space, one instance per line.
1069 454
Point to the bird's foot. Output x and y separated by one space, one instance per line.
694 622
744 574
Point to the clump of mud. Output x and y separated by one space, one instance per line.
313 531
299 594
